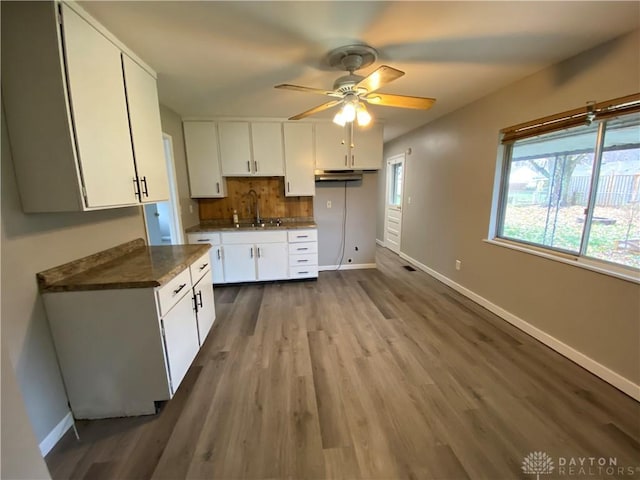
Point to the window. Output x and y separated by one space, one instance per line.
571 184
395 192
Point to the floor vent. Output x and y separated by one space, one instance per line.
409 267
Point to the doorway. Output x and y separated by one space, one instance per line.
393 203
162 219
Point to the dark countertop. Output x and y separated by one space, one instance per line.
130 265
245 225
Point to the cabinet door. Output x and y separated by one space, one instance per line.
273 259
235 148
217 269
181 339
268 154
299 160
94 73
206 310
146 132
367 152
331 147
239 263
203 160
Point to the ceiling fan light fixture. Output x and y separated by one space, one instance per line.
364 117
349 111
339 119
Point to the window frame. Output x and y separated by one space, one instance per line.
594 112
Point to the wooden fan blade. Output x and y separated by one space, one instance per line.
299 88
402 101
381 76
319 108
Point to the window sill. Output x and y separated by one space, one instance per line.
586 263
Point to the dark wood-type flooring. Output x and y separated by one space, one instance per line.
372 374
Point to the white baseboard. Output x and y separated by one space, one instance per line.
56 434
348 266
605 373
380 242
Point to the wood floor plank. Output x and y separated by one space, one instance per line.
361 374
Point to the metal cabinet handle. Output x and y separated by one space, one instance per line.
302 261
217 187
302 273
251 252
288 186
259 253
255 166
302 248
353 160
203 266
177 290
204 240
302 236
218 253
136 188
199 295
248 166
145 191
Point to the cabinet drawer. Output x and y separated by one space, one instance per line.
200 267
254 237
303 235
302 260
303 272
303 248
204 237
174 290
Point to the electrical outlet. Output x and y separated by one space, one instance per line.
190 208
328 203
458 264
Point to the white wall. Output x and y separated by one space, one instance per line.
360 228
450 177
32 243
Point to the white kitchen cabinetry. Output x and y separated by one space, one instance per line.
267 149
81 115
215 254
299 160
303 253
251 149
251 256
122 350
334 151
203 300
203 160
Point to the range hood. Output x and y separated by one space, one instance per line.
338 175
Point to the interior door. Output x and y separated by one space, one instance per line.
394 201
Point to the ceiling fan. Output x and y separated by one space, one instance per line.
354 91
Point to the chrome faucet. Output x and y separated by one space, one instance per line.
253 194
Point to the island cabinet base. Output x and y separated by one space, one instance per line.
111 351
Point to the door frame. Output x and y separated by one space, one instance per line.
175 220
393 160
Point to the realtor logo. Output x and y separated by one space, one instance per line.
537 463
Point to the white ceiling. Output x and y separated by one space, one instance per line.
222 59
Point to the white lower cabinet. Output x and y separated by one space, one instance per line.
181 344
251 256
122 350
303 253
216 253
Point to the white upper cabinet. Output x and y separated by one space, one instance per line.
203 160
335 152
266 142
235 149
146 131
367 148
251 149
99 113
299 160
77 121
331 147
